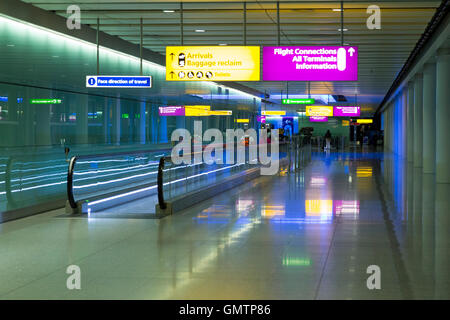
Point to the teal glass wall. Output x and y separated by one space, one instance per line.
40 64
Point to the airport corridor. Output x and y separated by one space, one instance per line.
309 234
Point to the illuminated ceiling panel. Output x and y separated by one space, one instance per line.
382 53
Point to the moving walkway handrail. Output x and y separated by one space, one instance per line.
9 192
160 182
103 155
70 196
73 160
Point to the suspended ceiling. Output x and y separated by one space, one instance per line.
382 53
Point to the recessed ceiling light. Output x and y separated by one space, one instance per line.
199 30
222 44
341 29
169 11
337 10
10 45
55 56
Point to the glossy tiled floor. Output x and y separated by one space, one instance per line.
305 235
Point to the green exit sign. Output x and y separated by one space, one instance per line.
45 101
298 101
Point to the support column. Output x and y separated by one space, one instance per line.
429 118
142 123
42 124
180 122
163 130
81 135
154 118
162 125
442 116
428 225
389 127
410 116
418 122
404 115
386 130
105 130
28 125
116 114
392 125
442 239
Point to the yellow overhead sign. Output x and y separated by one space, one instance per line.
364 120
273 113
242 120
315 111
220 113
345 123
196 111
213 63
364 172
200 107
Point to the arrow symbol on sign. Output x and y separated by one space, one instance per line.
172 54
351 51
171 73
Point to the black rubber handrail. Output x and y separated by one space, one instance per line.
73 160
160 181
70 197
161 202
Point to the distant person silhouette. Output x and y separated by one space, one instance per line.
328 140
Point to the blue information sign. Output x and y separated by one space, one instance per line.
118 81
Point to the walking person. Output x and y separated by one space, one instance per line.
328 140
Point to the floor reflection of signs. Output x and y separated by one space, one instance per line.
319 207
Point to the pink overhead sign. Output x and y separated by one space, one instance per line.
318 119
171 111
340 111
311 63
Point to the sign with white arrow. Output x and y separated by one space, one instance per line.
213 63
311 63
351 51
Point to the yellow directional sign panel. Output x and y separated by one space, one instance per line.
213 63
317 111
220 112
273 113
364 121
196 111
